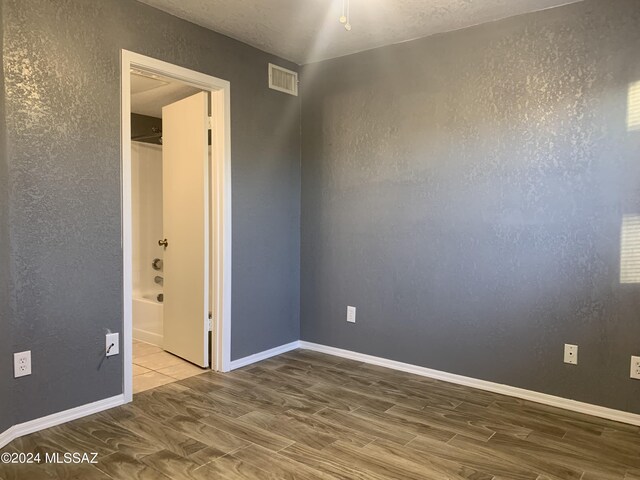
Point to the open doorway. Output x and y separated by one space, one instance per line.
176 222
169 200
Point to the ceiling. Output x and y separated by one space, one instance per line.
149 93
306 31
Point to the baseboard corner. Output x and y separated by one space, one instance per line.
257 357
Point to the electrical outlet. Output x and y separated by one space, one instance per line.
635 368
22 364
570 354
112 346
351 314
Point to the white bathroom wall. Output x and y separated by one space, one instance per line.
146 162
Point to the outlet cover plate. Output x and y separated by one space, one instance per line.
570 354
22 364
635 368
351 314
112 339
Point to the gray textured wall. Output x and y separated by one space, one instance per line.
465 193
6 359
61 61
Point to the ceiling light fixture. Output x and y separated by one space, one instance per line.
344 19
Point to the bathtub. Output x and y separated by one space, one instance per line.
147 319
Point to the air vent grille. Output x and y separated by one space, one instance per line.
283 80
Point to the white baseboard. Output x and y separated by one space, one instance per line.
58 418
148 337
565 403
256 357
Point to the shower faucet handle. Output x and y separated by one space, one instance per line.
163 243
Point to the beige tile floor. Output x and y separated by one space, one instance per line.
153 367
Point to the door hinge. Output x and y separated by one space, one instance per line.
210 123
210 321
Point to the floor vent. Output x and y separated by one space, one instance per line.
283 80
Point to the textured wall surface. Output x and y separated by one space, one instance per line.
6 359
466 191
62 85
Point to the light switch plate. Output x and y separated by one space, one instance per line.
351 314
113 344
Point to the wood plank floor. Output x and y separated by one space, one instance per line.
305 415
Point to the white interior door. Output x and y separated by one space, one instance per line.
185 216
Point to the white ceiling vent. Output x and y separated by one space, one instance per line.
283 80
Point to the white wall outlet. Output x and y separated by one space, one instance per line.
570 354
351 314
113 344
635 368
22 364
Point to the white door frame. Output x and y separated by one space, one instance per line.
220 204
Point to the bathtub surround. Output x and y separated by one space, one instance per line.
466 193
147 319
146 201
62 77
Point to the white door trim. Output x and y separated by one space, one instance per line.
220 203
